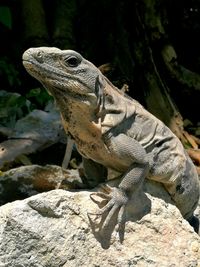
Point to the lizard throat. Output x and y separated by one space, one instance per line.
68 95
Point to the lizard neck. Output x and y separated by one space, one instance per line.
115 108
79 120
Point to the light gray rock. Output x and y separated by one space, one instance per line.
25 181
52 230
35 132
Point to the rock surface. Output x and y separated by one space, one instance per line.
36 131
25 181
52 230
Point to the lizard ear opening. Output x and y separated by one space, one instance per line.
99 86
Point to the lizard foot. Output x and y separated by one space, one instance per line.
113 200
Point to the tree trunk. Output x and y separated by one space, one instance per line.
63 28
34 29
157 98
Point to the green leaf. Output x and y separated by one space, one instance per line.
39 96
12 107
5 16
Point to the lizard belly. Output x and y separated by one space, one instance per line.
99 152
168 164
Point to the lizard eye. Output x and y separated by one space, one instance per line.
72 61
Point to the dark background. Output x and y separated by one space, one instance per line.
130 35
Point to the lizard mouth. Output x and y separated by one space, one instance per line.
41 70
46 74
29 66
58 81
54 81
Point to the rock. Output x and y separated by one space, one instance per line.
34 132
25 181
52 230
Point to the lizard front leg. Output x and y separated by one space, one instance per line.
129 151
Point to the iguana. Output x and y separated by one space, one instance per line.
112 130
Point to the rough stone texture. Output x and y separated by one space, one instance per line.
52 230
25 181
34 132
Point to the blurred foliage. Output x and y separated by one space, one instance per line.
9 72
39 98
5 16
12 107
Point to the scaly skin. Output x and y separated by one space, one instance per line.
114 131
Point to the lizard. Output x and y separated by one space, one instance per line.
112 130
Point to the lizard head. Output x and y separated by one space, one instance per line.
64 73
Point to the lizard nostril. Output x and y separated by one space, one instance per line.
39 57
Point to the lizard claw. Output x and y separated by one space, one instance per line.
101 203
104 195
115 200
106 188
